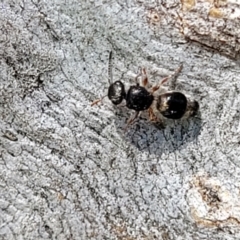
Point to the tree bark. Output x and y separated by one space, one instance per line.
68 170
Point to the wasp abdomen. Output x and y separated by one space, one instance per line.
172 104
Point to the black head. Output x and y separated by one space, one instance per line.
116 92
172 105
138 98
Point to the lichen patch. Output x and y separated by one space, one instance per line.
211 203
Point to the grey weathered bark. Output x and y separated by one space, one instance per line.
68 170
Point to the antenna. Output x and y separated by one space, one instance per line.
110 75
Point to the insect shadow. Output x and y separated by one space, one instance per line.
156 139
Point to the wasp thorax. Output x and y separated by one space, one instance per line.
138 98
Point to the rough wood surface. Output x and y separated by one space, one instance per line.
68 170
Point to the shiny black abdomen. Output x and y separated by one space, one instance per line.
138 98
116 92
172 105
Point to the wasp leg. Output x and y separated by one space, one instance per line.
131 120
152 116
164 80
144 78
